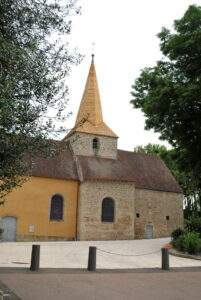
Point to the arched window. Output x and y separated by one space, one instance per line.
95 145
107 210
56 209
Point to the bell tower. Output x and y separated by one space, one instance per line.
91 136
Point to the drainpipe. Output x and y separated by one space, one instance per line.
77 213
80 176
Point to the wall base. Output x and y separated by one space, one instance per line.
31 238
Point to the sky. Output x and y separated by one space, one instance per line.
124 33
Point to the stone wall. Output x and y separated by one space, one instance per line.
153 207
91 195
81 144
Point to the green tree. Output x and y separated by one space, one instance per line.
169 94
34 62
175 161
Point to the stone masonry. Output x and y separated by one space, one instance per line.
91 195
154 207
81 144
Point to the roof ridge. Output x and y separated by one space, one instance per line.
140 153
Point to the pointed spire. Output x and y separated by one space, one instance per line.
89 117
90 106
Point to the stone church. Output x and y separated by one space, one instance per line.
91 190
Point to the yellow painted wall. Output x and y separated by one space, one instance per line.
30 204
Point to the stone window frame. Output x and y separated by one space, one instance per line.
167 218
114 210
63 208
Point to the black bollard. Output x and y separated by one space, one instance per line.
35 258
92 259
165 259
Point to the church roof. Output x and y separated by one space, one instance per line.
90 118
144 170
60 166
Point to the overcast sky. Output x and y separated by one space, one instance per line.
125 36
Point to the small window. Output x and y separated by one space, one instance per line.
137 215
107 210
167 217
95 145
56 209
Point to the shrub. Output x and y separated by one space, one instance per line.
194 224
188 242
177 233
179 243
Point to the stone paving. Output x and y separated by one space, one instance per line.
75 254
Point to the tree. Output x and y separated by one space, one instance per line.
169 94
175 161
34 63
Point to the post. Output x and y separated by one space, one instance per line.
165 259
35 258
92 259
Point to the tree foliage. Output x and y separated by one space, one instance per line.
34 62
169 94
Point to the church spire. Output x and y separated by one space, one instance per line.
90 106
90 118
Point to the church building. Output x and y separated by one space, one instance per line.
91 190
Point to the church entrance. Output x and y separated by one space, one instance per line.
149 231
9 228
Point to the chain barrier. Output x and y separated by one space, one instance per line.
120 254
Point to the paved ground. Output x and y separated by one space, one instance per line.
76 283
148 285
75 254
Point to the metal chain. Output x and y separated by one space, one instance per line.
127 254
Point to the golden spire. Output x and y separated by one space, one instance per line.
89 117
90 106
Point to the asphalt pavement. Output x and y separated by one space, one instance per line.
150 284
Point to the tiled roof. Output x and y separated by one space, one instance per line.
60 166
146 171
101 129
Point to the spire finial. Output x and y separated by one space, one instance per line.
93 50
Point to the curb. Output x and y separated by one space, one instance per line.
45 271
184 255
